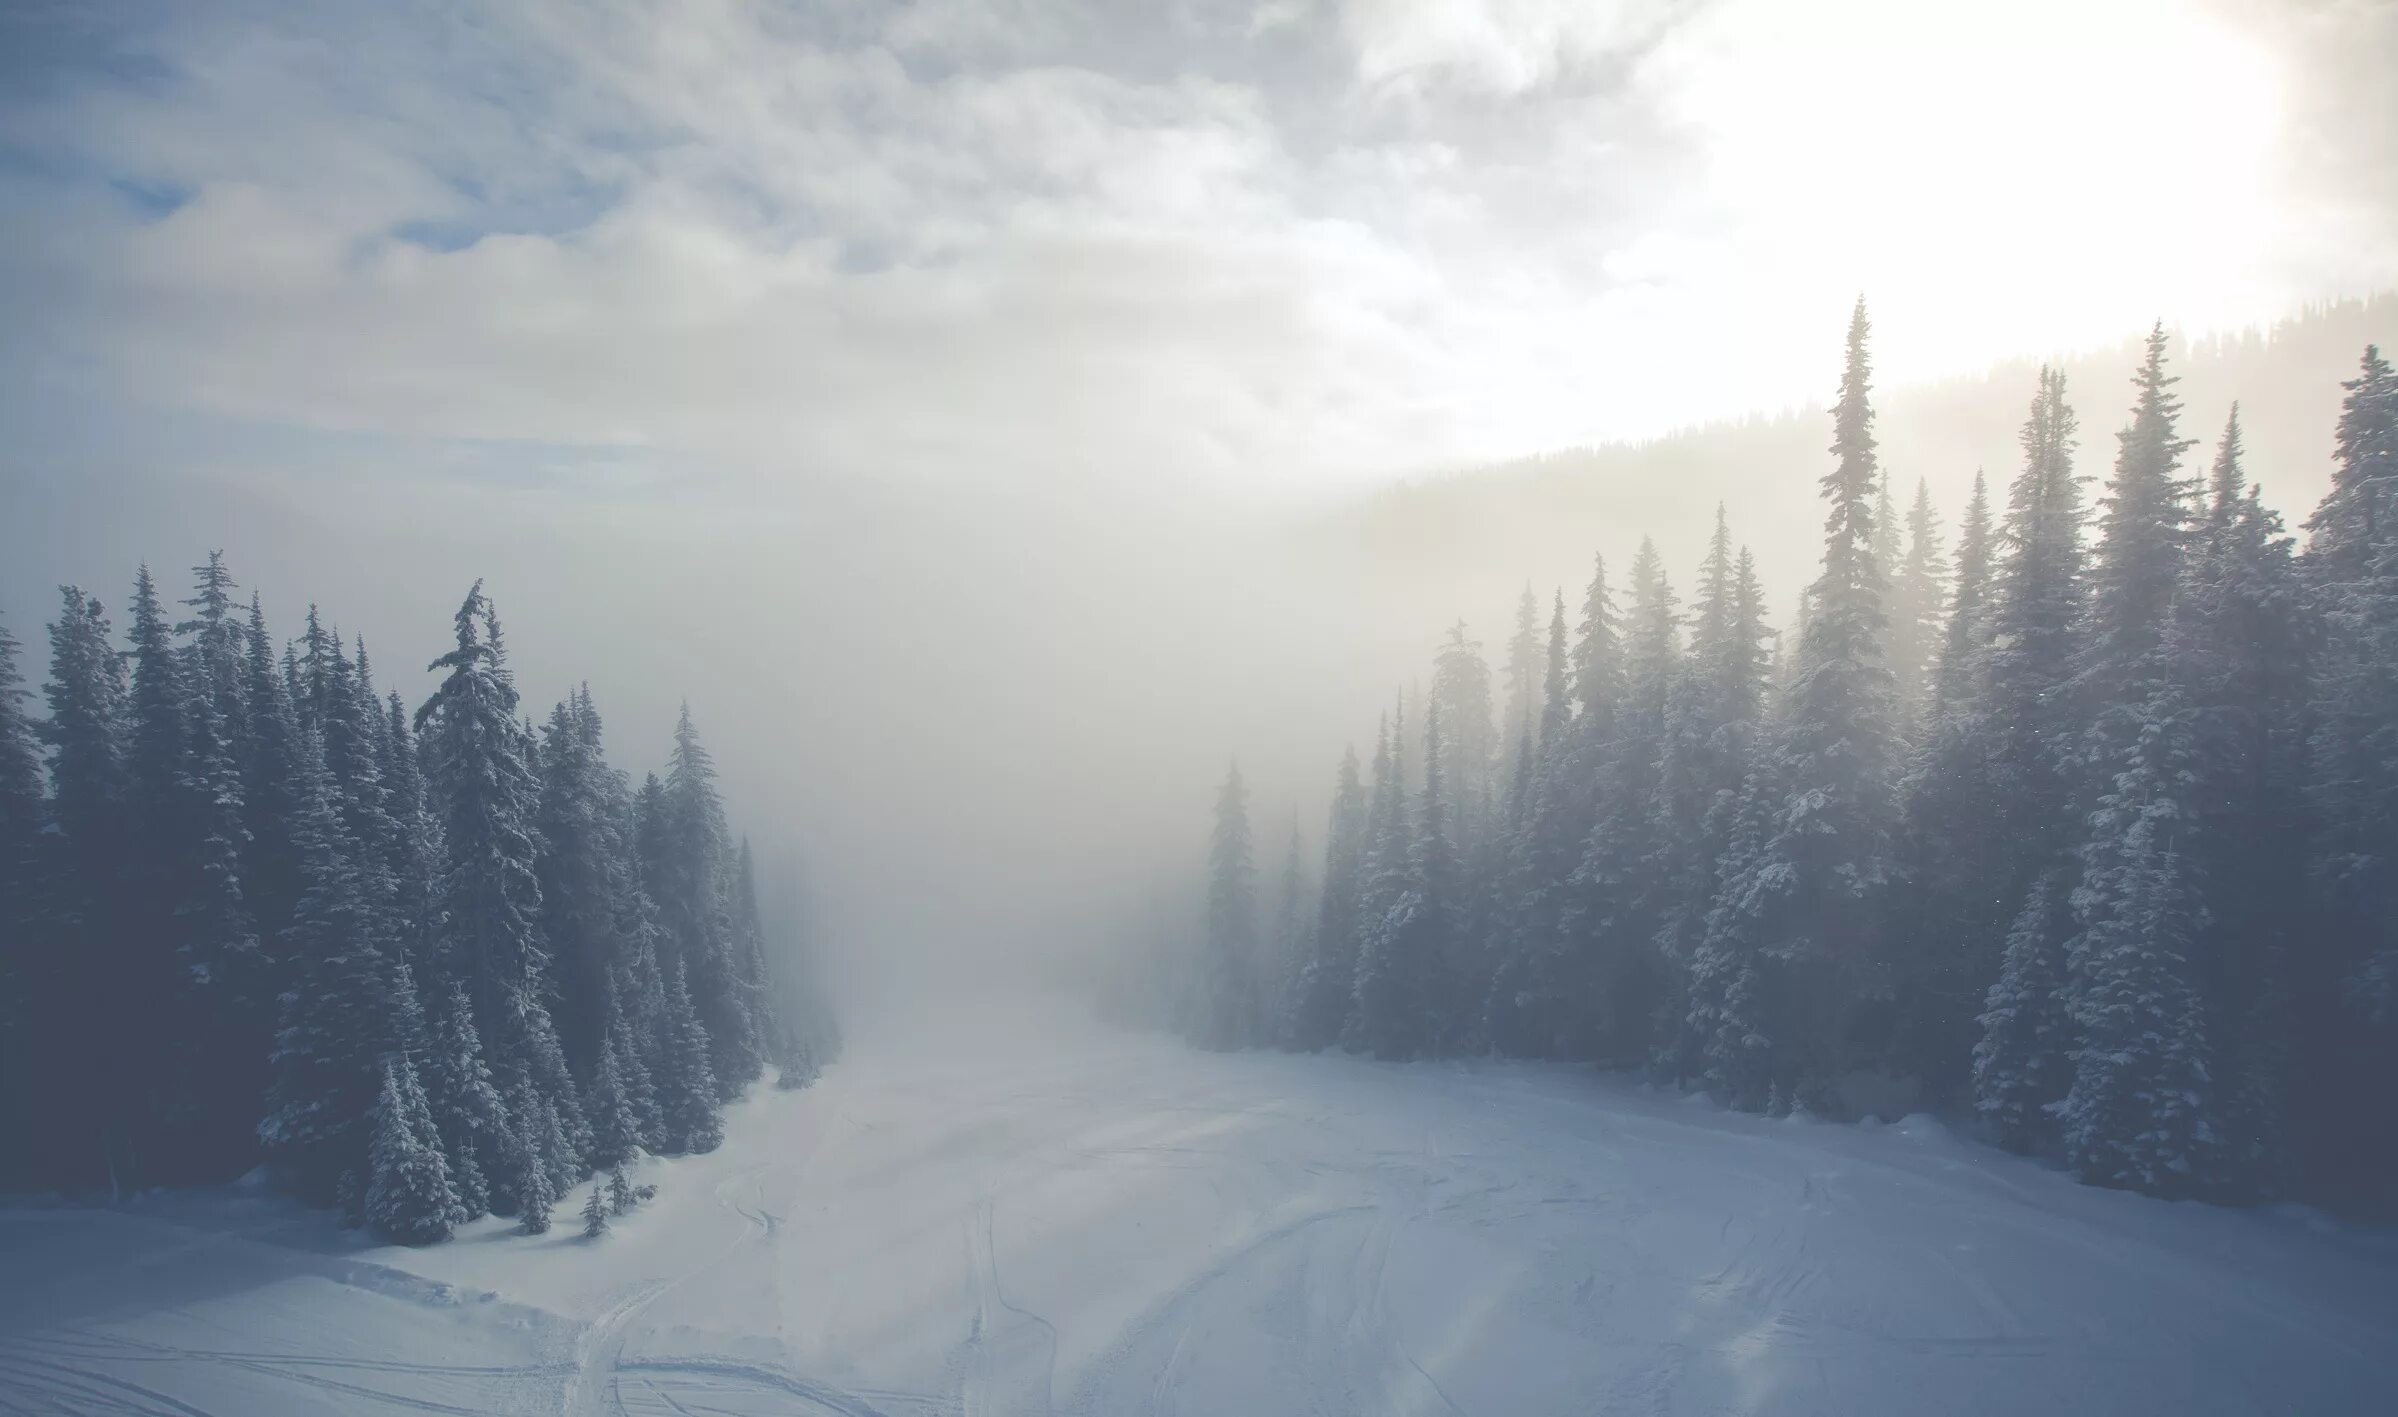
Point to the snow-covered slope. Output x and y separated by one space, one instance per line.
1106 1224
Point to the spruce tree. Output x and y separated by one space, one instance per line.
1461 696
268 751
2236 651
2144 536
536 1181
1523 670
342 1009
82 1118
468 1115
1733 1025
1321 993
1382 878
409 1200
615 1128
2023 1063
1290 938
1918 591
1619 892
1536 993
1406 954
2346 980
1818 878
485 795
1964 630
595 1211
687 877
159 875
26 985
2016 818
686 1088
1229 1002
585 866
2140 1112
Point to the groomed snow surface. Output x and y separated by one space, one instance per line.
1061 1218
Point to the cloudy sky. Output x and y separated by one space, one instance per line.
1291 243
899 382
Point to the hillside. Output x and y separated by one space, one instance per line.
1464 543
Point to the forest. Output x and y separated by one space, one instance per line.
2080 824
422 964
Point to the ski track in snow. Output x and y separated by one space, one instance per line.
958 1225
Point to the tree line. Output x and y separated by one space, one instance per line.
2086 826
424 964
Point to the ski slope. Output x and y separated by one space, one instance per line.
1059 1218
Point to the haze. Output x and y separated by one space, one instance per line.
936 395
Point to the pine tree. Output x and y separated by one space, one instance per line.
1613 915
1536 990
1598 659
2349 530
595 1212
1461 696
1291 945
81 1119
686 1087
2236 651
536 1182
1886 550
620 1191
1714 721
2145 531
22 811
214 654
1229 1001
158 875
1965 630
1321 994
221 965
1731 1026
2022 1064
2352 574
485 793
2004 816
615 1128
1523 669
343 1009
1407 953
26 985
2346 980
1917 594
268 752
1817 880
686 876
586 865
468 1115
2140 1111
409 1200
1382 875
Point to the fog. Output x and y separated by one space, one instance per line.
989 428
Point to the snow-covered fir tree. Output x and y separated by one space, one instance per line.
238 923
1320 991
409 1200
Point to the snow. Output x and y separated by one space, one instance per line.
1104 1223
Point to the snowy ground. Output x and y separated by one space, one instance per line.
1105 1224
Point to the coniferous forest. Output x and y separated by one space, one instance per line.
422 962
2075 815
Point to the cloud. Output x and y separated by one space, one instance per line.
1266 245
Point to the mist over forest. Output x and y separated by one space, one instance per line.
1244 706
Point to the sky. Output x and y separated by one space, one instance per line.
891 379
1320 242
